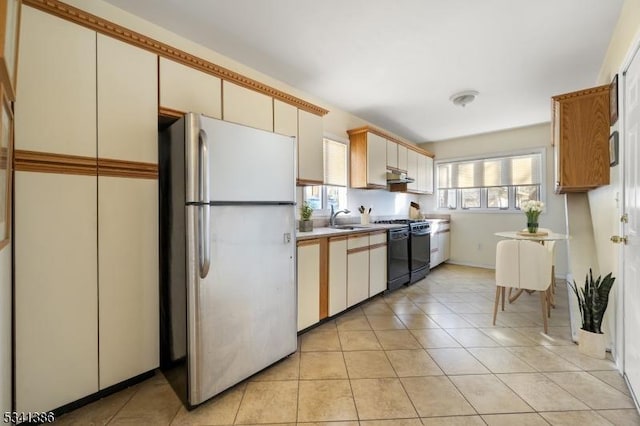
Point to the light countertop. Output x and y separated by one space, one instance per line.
328 232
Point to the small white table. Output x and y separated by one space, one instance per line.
515 235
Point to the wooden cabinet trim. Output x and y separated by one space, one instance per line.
168 112
338 238
382 231
324 278
47 162
380 133
375 246
130 169
308 182
357 250
302 243
103 26
581 93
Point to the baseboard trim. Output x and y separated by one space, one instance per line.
102 393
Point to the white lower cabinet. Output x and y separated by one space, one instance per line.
308 279
377 263
444 241
56 292
337 275
357 269
128 278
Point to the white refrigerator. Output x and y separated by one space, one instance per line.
227 237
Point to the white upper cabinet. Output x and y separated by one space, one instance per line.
245 106
412 169
392 155
285 118
428 186
127 102
402 157
376 160
185 89
422 172
310 148
55 109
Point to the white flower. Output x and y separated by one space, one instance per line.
529 206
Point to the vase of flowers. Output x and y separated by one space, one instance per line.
532 209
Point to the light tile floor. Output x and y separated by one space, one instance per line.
426 354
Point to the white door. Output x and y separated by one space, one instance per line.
631 251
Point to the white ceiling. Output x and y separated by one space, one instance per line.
395 63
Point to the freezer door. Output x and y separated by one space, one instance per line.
247 164
242 314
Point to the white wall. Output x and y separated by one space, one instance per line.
472 239
5 330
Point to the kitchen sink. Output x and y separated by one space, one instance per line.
351 227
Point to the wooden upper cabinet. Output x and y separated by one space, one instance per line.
581 139
127 102
244 106
285 118
185 89
56 107
372 152
310 149
368 156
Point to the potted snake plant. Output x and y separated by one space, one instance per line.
592 301
306 224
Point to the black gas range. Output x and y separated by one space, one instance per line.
408 251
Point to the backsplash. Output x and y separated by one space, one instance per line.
384 205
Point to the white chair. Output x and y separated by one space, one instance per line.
525 265
550 245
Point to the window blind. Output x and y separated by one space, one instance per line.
335 163
514 170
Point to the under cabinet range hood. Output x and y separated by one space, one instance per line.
397 177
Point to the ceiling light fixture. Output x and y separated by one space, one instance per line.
464 97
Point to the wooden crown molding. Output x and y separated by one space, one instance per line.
80 17
46 162
365 129
580 93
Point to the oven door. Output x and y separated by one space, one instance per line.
398 272
420 253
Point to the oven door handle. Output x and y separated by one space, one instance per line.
420 233
401 238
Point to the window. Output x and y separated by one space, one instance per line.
334 191
490 184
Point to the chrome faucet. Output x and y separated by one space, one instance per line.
332 218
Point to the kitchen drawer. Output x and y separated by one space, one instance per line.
377 238
357 241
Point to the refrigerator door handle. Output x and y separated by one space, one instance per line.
203 148
204 217
204 245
